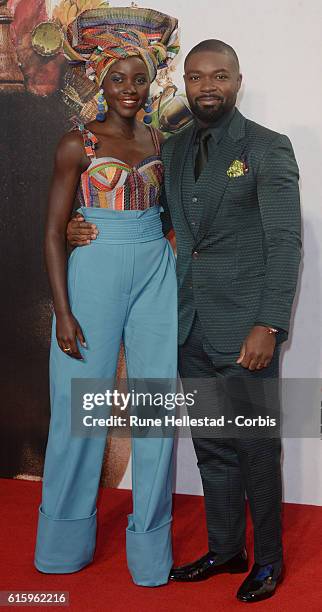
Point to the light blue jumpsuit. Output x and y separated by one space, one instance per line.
121 286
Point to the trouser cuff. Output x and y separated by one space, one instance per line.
64 545
149 554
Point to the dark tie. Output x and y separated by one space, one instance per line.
202 153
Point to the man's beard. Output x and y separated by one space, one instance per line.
208 115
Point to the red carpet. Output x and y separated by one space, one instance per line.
106 583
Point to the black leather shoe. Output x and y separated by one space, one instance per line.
205 567
260 584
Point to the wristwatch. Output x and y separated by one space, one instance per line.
272 330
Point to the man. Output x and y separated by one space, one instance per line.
231 195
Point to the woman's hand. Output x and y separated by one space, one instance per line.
68 331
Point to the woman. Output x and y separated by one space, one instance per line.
121 286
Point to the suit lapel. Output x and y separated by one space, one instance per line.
215 175
177 163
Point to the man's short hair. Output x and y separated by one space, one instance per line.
218 46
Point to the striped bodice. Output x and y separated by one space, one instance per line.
111 183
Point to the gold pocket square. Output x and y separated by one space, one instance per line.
237 168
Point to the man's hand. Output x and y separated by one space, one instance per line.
79 232
257 350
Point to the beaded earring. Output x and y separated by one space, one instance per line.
148 109
102 106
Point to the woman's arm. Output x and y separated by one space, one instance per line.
67 170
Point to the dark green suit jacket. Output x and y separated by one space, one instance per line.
241 267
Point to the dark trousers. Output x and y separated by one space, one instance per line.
231 466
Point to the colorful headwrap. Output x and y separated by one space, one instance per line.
103 36
121 45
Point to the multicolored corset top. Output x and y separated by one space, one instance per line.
111 183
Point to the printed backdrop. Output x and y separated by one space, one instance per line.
39 101
279 45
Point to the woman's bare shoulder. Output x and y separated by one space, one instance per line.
160 136
72 140
71 147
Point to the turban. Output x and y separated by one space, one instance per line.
99 38
120 45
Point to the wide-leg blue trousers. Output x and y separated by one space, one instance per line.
121 286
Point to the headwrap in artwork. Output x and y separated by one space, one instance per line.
101 37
